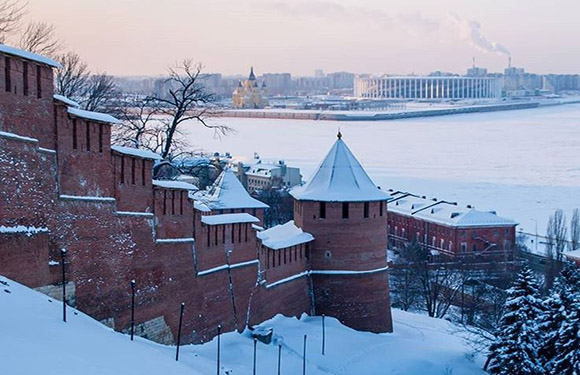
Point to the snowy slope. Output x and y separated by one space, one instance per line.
34 340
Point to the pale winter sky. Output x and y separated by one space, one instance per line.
134 37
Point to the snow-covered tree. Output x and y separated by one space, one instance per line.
560 324
515 350
567 348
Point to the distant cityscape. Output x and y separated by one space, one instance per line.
283 90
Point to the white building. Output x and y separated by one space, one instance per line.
428 88
261 176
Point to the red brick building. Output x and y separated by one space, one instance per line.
447 229
64 187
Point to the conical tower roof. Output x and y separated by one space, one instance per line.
227 192
339 178
252 76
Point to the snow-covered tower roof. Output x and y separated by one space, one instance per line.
340 178
227 192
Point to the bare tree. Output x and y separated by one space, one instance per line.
556 243
39 37
100 94
575 230
404 288
71 79
137 118
557 235
439 285
11 12
186 99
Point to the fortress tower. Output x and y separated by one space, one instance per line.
347 214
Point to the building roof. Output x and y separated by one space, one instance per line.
252 76
339 178
227 192
170 184
28 56
574 254
65 100
444 212
229 219
93 116
285 235
137 152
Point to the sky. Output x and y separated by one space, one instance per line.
144 37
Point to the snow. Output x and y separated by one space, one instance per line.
28 56
574 255
48 150
17 137
34 340
522 163
175 240
140 153
227 193
243 217
135 213
339 178
325 272
285 235
199 206
21 229
94 116
227 266
444 212
87 198
169 184
65 100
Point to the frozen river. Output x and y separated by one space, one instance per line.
524 163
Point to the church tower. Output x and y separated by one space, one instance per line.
347 215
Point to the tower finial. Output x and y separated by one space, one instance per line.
339 135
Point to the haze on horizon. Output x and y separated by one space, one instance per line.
143 37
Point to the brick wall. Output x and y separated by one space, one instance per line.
28 115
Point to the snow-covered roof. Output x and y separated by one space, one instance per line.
574 254
200 206
140 153
285 235
444 212
94 116
66 100
169 184
339 178
28 56
227 192
229 219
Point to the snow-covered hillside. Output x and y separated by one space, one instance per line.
34 340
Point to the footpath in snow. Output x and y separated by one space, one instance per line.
34 340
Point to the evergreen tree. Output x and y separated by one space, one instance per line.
562 327
515 350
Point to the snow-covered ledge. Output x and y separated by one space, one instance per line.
325 272
175 240
84 198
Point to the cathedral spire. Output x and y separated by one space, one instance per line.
252 76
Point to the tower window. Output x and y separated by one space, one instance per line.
322 213
38 82
88 136
345 210
74 134
123 172
7 80
25 77
100 137
133 167
366 210
381 208
143 172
